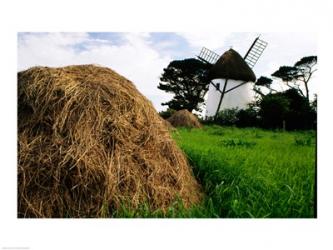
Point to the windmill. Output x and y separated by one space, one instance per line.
229 74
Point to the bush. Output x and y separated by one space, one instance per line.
301 114
248 117
167 113
238 117
237 143
273 110
227 117
288 106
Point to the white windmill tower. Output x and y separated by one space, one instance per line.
230 76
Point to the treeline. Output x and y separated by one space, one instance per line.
283 110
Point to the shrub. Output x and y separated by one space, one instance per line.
227 117
167 113
273 110
248 117
288 106
237 143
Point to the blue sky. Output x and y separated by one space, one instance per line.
141 57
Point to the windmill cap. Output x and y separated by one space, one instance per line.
231 66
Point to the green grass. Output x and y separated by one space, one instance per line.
246 173
251 173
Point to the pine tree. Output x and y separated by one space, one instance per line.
187 80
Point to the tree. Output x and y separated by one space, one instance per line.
288 106
306 68
273 110
298 74
314 103
263 81
187 80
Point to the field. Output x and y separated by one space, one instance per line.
248 173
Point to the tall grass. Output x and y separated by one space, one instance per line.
252 173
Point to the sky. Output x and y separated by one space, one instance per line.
141 57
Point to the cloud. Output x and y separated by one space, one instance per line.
211 40
134 58
141 57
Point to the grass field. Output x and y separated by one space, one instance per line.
247 173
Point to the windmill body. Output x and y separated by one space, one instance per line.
239 98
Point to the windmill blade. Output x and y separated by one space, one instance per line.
208 56
255 51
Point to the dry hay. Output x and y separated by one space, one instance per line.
90 143
184 118
231 65
168 125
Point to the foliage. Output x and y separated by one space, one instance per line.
288 106
227 117
167 113
301 115
286 73
273 110
303 141
306 62
248 117
237 143
187 80
296 77
298 74
263 81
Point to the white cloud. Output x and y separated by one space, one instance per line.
134 58
141 60
210 40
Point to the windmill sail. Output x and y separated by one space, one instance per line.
208 56
255 51
234 70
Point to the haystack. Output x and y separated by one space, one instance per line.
184 118
89 143
168 125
